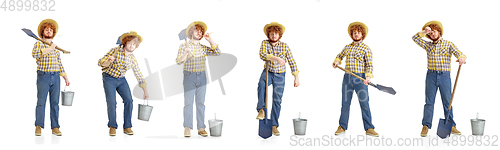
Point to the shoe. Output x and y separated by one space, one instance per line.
261 115
187 132
340 131
425 129
275 131
38 131
128 131
202 132
455 131
56 131
112 131
371 132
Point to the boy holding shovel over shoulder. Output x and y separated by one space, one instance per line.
279 53
49 68
358 61
439 53
115 64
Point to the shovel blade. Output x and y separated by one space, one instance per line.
29 33
389 90
265 127
444 128
182 34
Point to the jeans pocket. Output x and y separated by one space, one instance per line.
40 74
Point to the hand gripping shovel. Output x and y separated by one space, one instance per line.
265 126
444 128
29 33
389 90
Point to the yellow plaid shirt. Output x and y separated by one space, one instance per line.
122 63
195 62
438 54
280 50
358 58
50 62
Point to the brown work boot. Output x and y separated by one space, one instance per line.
340 131
275 131
38 131
371 132
187 132
261 115
425 129
128 131
56 131
202 132
455 131
112 131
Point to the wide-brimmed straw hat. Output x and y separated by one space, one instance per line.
274 24
49 21
357 23
131 33
436 23
202 24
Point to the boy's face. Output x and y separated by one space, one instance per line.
274 36
132 45
196 34
434 34
357 36
48 33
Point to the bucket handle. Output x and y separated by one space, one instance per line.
146 101
67 86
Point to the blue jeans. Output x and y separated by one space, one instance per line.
433 81
194 88
349 85
47 82
111 86
278 82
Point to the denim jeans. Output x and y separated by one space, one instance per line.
349 85
111 86
278 82
194 90
436 80
47 82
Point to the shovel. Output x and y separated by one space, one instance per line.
265 126
444 128
29 33
389 90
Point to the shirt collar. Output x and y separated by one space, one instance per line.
357 44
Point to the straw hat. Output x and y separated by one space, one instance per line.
49 21
357 23
274 24
131 33
434 22
202 24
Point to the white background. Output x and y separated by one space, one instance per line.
316 32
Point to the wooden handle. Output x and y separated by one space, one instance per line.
454 86
265 93
44 42
347 71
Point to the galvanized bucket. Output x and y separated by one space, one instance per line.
67 97
299 126
145 111
215 127
477 126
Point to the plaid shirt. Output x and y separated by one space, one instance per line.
358 58
438 54
282 51
195 62
50 62
121 64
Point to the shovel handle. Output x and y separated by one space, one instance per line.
454 86
265 93
45 42
347 71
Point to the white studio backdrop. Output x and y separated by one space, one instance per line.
316 32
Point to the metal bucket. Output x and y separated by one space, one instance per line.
145 111
215 127
299 126
67 97
477 126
